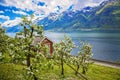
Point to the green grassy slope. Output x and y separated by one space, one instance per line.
96 72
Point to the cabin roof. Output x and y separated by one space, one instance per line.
39 39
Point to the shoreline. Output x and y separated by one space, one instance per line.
106 63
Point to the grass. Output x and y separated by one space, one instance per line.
11 72
96 72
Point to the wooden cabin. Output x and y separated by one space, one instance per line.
43 41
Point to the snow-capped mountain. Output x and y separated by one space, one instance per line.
105 16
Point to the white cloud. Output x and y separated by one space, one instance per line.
98 1
1 12
50 5
93 3
11 23
22 4
79 4
65 4
19 12
4 17
17 20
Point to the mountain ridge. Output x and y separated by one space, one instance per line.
106 16
95 18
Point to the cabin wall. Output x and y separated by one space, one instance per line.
49 43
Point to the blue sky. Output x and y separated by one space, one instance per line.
12 10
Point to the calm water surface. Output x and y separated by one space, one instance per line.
106 46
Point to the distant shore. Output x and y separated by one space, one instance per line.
87 30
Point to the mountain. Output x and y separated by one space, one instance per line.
106 16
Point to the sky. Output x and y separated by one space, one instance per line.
12 10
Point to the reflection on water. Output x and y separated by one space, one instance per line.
106 46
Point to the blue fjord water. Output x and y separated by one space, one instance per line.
105 45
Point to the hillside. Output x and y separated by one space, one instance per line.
96 72
105 16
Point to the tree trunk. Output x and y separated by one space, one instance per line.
83 76
62 68
62 65
83 68
25 31
83 71
77 69
35 78
28 60
28 56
